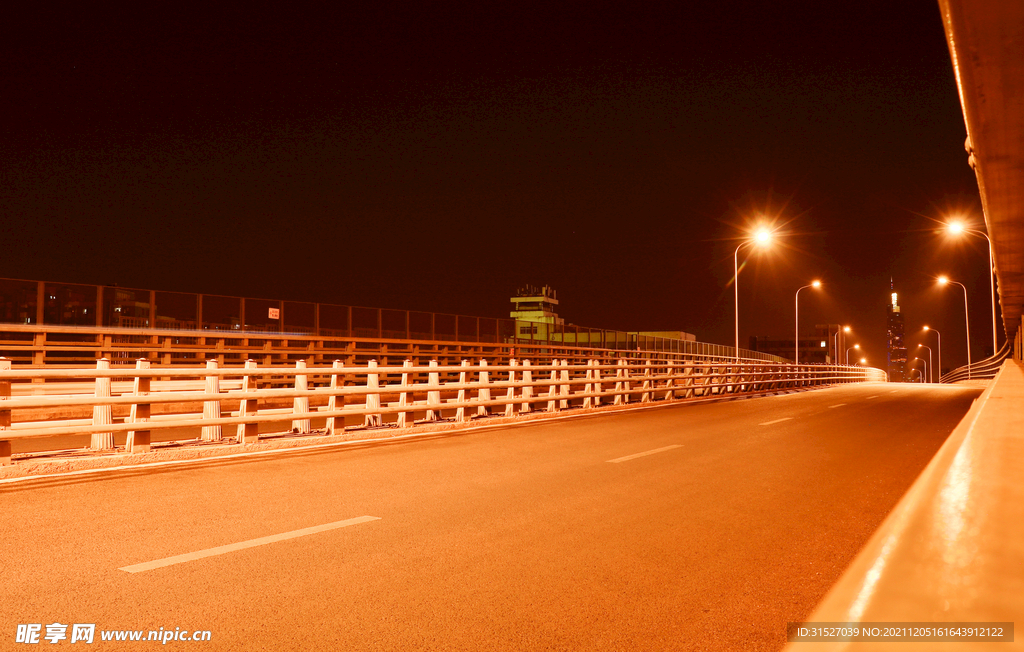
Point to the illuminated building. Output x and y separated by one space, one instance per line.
897 348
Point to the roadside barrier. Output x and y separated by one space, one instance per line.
232 402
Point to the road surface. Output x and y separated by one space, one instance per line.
704 526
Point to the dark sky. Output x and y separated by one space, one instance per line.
436 157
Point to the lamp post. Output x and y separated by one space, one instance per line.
922 346
762 237
855 346
796 341
940 350
925 363
957 228
944 281
835 338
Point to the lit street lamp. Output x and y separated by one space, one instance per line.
796 344
762 238
925 362
855 346
835 338
922 346
940 350
944 281
956 228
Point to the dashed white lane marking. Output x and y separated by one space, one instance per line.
836 405
636 455
242 545
768 423
871 397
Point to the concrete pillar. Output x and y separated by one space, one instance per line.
553 388
99 305
211 408
152 309
565 388
300 404
463 395
335 424
403 397
484 393
248 433
510 394
433 393
5 415
101 414
139 440
527 387
372 398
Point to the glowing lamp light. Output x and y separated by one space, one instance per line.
956 228
926 328
816 284
763 237
942 280
863 360
846 329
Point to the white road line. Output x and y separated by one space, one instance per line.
836 405
242 545
636 455
871 397
768 423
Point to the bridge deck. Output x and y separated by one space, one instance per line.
691 527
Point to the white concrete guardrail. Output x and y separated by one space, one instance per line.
372 392
952 550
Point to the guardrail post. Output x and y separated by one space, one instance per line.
5 415
139 441
403 397
248 433
553 387
463 395
688 378
102 414
373 399
527 387
332 401
484 393
588 388
211 408
300 404
621 383
670 380
646 396
433 393
510 394
564 390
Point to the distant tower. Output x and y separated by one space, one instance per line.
534 311
897 347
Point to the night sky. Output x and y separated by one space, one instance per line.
435 157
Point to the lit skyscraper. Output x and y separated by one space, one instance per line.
897 353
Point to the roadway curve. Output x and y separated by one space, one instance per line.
510 538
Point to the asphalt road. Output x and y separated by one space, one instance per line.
555 535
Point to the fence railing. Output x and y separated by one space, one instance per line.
43 322
981 370
144 399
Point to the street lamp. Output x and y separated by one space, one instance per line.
925 362
762 238
944 281
835 338
922 346
940 349
956 228
863 360
855 346
796 343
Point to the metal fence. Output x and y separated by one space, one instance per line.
46 323
101 401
